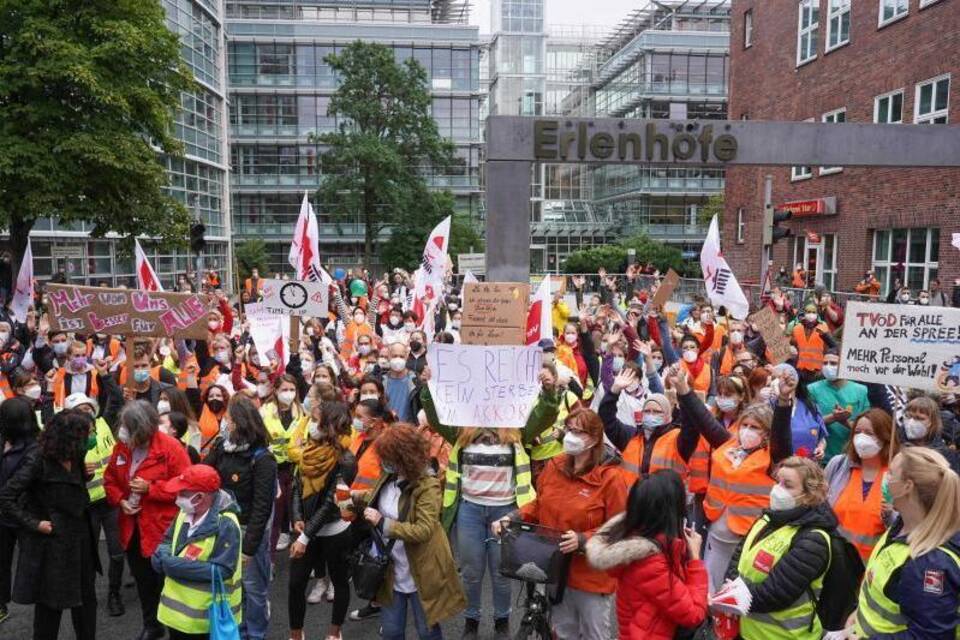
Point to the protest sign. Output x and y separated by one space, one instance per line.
665 290
901 345
491 335
127 312
768 324
496 304
484 386
268 332
295 298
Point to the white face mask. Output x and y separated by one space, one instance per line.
866 446
314 430
123 435
32 392
410 327
916 429
810 317
570 338
750 438
830 371
574 444
4 336
286 397
369 396
781 499
165 351
727 404
222 356
690 356
306 366
736 337
398 364
263 390
163 407
186 504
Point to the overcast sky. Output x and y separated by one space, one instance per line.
567 12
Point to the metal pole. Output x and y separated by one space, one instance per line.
198 265
768 220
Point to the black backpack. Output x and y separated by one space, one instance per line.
841 583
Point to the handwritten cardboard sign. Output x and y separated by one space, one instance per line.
768 324
666 288
496 304
294 298
492 336
484 386
127 312
902 345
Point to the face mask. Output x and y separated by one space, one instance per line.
314 430
905 298
455 325
141 375
409 326
358 425
263 390
810 317
574 444
286 397
363 349
91 442
306 366
727 404
416 345
916 429
213 325
185 503
922 301
216 405
163 407
60 348
32 392
397 364
453 307
394 320
781 499
359 318
388 468
369 396
736 337
570 338
222 356
690 356
866 445
652 420
78 363
657 363
618 362
165 351
632 388
311 332
4 336
750 438
123 435
705 317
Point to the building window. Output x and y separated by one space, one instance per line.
840 115
741 227
932 101
927 3
748 28
830 261
908 255
801 172
838 24
891 10
807 28
888 108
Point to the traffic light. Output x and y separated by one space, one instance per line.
197 241
772 232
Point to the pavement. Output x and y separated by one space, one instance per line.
19 626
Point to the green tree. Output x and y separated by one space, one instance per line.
375 163
86 91
713 207
251 254
613 257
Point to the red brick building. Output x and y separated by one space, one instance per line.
891 61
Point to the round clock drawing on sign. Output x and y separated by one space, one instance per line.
293 295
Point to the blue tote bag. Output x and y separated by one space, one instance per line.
222 624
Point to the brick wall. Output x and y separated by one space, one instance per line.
766 84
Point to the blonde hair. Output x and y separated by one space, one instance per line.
938 490
761 412
504 436
811 477
929 408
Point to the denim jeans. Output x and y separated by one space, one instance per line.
477 556
393 618
256 591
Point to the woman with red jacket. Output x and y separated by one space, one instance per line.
662 583
142 461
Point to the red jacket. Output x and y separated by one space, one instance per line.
166 459
651 601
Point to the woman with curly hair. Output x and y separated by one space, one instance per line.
405 506
47 498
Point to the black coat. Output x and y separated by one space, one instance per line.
806 559
321 508
51 569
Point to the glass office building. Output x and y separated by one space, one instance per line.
280 88
198 179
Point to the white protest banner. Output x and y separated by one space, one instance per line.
901 345
722 285
266 331
293 298
484 386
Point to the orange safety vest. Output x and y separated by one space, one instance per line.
210 378
112 351
699 466
809 350
5 387
209 429
368 465
702 381
743 493
726 362
351 335
60 391
663 456
860 519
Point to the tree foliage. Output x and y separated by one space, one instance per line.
713 207
251 254
374 164
613 257
86 91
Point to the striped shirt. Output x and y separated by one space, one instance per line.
490 483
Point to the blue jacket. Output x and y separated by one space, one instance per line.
928 591
225 551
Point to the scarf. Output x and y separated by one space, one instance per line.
317 462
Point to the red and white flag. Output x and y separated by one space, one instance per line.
23 293
146 277
305 248
722 286
428 280
540 316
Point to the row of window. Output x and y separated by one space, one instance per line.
199 39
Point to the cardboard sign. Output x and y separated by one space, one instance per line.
768 324
902 345
666 288
496 304
127 312
473 262
492 336
295 298
477 386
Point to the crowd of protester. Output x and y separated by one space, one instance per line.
677 463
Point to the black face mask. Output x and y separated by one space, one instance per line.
215 405
415 345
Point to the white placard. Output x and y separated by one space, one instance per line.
484 386
473 262
295 298
901 345
266 330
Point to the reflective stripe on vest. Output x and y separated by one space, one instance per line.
809 350
522 478
876 613
99 455
743 492
859 517
185 606
799 620
663 456
699 466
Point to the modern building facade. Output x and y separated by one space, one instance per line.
877 61
198 179
280 88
